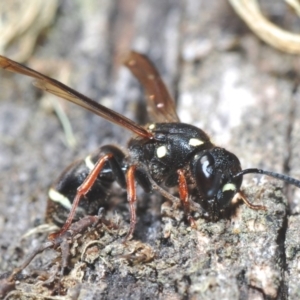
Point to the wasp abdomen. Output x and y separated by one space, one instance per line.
63 191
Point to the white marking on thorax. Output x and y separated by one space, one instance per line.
161 151
88 162
151 126
60 198
195 142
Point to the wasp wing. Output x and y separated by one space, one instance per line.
59 89
160 104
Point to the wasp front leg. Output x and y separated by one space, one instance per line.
184 197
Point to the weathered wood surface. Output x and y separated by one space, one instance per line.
225 81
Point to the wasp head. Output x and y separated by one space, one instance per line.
214 171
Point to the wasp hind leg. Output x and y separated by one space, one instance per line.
109 167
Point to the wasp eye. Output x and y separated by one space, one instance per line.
207 163
206 177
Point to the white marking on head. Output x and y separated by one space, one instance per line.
229 187
60 198
151 126
195 142
88 162
161 151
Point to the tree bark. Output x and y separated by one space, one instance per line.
226 81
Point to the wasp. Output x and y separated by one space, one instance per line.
160 156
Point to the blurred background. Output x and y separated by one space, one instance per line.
225 80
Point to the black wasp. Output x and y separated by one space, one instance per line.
162 155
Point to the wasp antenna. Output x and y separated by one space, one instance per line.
282 177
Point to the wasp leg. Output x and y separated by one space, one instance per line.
241 195
64 189
116 163
131 196
184 197
81 191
